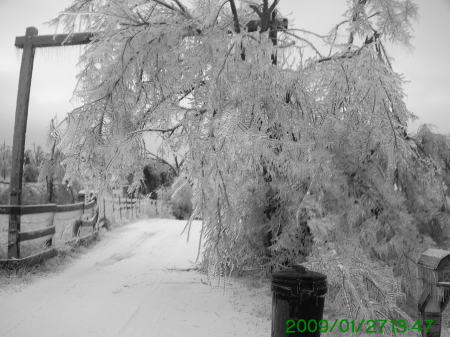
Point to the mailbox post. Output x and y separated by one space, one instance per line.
434 271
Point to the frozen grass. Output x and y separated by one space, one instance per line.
18 278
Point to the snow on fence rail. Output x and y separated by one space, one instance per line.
43 229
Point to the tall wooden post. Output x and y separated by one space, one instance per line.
20 128
28 43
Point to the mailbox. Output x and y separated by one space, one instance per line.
434 271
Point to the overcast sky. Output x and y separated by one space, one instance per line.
426 67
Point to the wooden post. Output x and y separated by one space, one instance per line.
28 43
50 242
125 214
20 128
120 209
434 272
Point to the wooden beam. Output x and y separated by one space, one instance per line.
34 209
36 234
20 128
69 208
27 209
48 208
57 40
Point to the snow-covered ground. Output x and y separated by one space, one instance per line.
128 285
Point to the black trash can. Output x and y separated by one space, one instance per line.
297 302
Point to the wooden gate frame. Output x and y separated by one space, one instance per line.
28 43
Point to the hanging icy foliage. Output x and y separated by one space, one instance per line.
279 139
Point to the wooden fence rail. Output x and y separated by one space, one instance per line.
125 208
39 233
48 208
27 209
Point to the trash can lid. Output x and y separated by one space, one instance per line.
294 275
299 276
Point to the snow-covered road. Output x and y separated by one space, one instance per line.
125 286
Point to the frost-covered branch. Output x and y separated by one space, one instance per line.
170 130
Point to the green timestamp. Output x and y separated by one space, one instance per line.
352 326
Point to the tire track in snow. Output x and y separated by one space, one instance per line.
128 321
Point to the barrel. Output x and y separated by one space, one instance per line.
298 298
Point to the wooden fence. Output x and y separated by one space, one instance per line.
38 224
46 228
124 209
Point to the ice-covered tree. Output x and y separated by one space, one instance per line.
279 133
5 161
51 170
